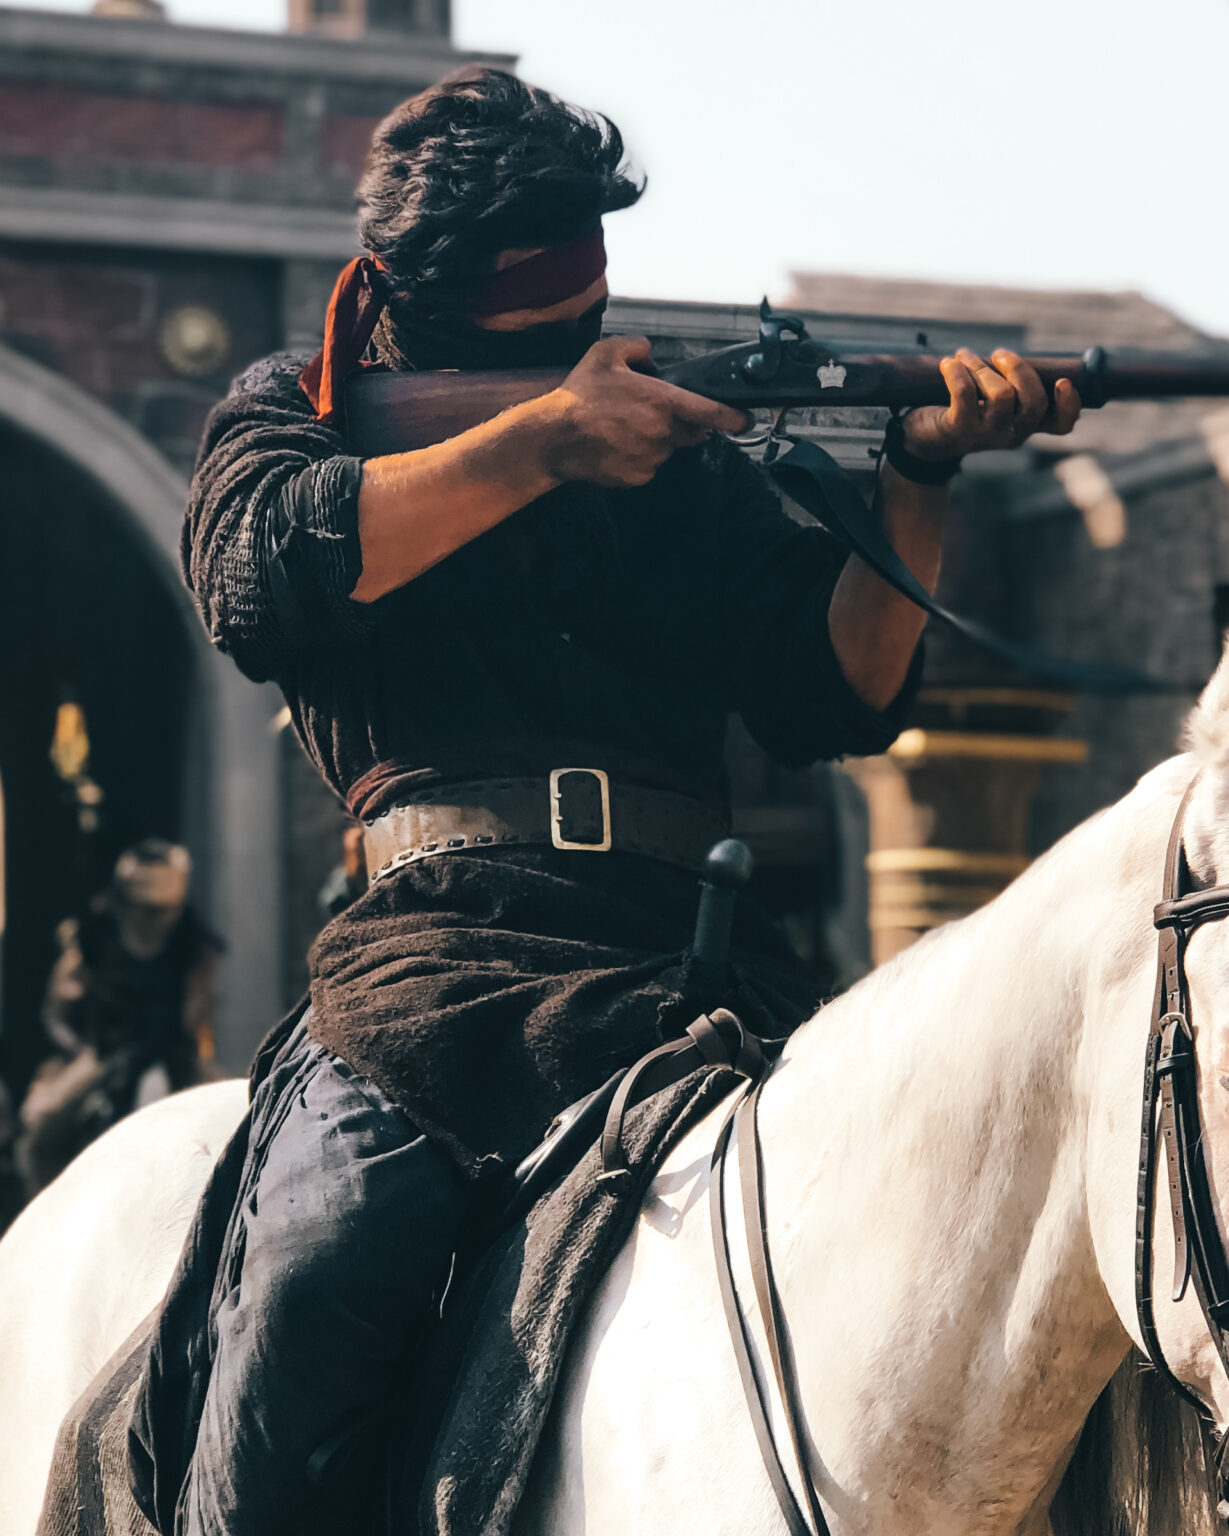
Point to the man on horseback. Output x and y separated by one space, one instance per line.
593 578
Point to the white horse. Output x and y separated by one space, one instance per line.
950 1154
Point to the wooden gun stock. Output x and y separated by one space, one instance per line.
398 412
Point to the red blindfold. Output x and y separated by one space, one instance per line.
539 282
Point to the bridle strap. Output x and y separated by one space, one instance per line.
744 1113
1171 1108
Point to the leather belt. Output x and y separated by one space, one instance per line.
578 810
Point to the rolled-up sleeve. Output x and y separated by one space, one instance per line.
270 542
783 676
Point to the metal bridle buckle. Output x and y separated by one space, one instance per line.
1176 1044
556 812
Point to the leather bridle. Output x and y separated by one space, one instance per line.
1171 1114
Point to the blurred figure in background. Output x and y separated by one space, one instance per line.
129 1009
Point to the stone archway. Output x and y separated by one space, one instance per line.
229 760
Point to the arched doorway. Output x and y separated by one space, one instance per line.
97 697
93 614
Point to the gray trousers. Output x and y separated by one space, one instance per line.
342 1236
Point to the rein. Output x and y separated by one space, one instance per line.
720 1040
1171 1117
744 1115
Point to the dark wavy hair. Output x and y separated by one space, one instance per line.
482 163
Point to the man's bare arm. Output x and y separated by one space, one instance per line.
416 508
608 423
874 629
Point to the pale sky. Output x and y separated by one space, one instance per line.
1077 144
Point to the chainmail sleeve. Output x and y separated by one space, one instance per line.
270 545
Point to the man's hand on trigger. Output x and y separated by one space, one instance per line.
615 424
994 404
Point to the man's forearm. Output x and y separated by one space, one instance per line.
610 423
874 629
414 509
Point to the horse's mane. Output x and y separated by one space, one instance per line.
1139 1467
1207 726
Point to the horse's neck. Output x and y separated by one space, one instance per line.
926 1145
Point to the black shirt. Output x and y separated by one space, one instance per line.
631 620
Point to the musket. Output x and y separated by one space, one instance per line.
783 369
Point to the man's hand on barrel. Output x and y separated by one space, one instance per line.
615 424
994 404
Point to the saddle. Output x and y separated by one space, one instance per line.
528 1266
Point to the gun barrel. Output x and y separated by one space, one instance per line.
810 376
1132 375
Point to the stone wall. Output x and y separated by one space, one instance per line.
1153 598
155 335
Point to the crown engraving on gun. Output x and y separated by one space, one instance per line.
831 375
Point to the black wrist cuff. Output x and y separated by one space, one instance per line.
908 465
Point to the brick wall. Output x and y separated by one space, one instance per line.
342 143
99 317
50 118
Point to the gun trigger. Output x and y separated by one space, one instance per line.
777 436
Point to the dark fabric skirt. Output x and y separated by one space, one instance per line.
484 991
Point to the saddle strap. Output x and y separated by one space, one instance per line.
713 1040
744 1113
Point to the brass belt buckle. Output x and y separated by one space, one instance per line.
556 811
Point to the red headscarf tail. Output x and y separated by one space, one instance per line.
355 306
